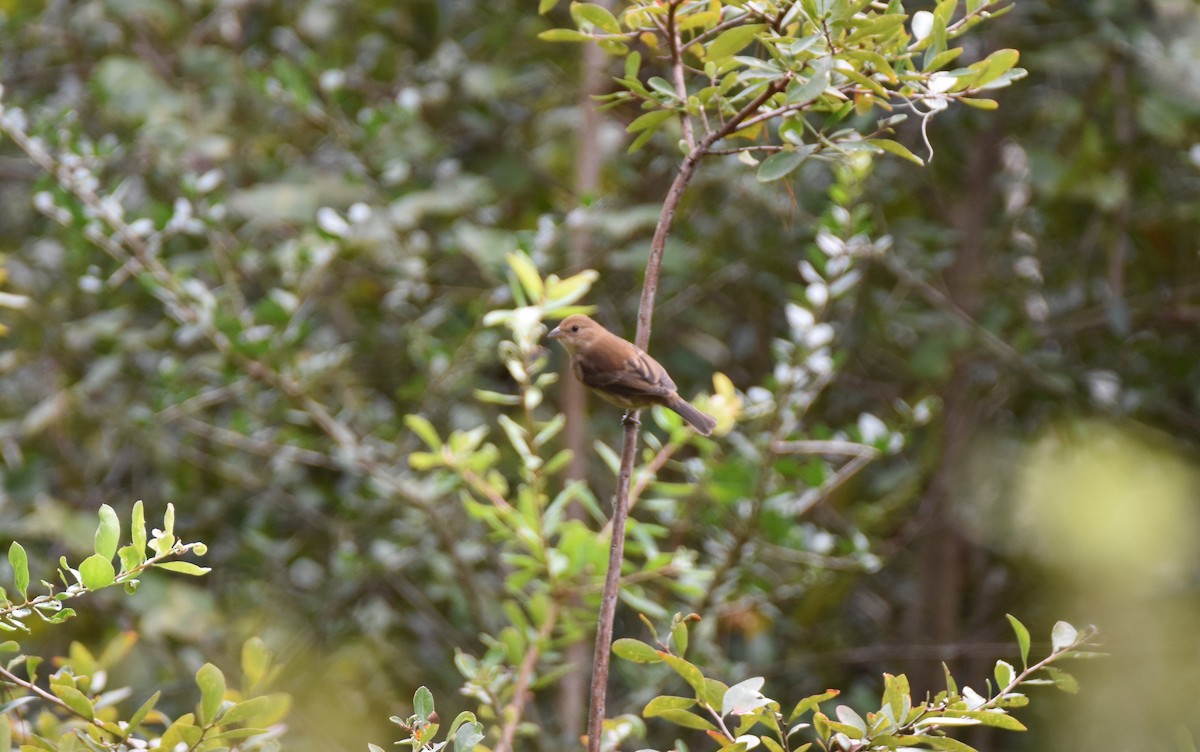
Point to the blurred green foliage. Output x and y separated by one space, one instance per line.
304 211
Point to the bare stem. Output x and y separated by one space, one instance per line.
524 677
612 581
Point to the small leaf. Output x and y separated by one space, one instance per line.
184 567
782 163
1022 638
563 35
687 719
1004 674
1062 636
662 703
992 718
679 634
75 700
732 41
20 566
97 572
596 15
649 121
108 534
690 673
803 92
896 148
421 426
635 650
980 104
137 531
528 275
140 714
423 703
256 661
467 736
1063 680
248 709
811 703
211 682
11 705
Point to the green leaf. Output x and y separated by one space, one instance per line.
662 703
951 685
211 682
687 719
20 566
980 104
633 63
256 661
649 121
248 709
770 744
421 426
948 743
545 6
896 148
664 87
811 702
942 59
781 164
994 65
97 572
803 92
1004 674
7 707
596 15
137 531
991 718
1063 680
528 275
108 534
690 673
732 41
182 731
184 567
1022 638
635 650
465 716
75 700
1062 636
140 714
423 703
467 736
679 633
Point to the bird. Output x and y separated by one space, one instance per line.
621 372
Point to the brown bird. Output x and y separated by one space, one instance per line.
618 371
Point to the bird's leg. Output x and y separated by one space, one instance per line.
630 418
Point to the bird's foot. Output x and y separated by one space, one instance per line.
631 418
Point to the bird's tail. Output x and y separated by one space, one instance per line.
701 422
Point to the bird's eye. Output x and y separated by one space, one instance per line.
575 328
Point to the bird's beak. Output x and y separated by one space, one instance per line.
556 333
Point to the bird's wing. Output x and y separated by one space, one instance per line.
639 376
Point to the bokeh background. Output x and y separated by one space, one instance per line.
340 182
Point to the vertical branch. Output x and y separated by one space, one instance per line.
616 554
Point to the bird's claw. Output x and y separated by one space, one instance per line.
630 418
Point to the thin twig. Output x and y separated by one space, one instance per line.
677 74
608 600
524 677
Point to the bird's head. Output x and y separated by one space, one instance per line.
576 330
